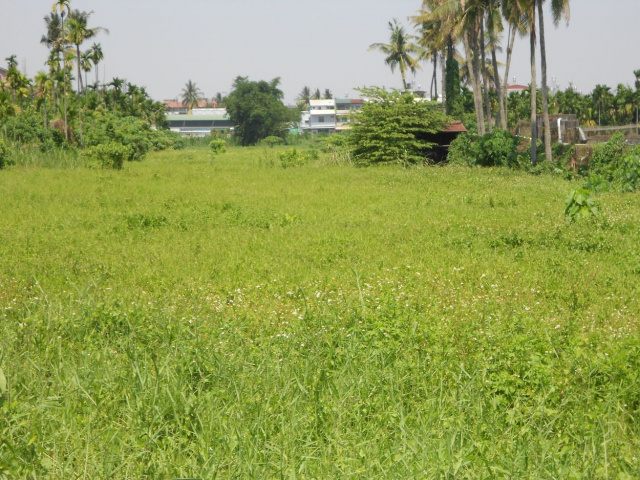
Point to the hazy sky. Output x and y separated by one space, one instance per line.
161 44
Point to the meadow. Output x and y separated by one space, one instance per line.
198 317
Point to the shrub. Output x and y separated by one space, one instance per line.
105 128
579 204
296 158
499 148
607 154
110 154
4 154
394 127
461 151
217 146
28 130
271 141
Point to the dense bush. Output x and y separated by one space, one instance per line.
110 154
217 146
271 141
461 150
296 158
394 128
28 130
499 148
614 166
4 154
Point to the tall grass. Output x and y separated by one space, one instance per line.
228 318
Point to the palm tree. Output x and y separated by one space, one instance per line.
96 57
42 91
560 9
63 7
602 97
303 98
514 13
399 51
191 95
534 113
328 95
432 39
78 33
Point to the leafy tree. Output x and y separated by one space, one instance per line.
191 95
399 51
317 95
394 128
257 111
328 95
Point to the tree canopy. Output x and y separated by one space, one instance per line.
256 110
394 127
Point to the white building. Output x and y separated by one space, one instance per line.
329 116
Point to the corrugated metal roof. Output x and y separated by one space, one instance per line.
195 118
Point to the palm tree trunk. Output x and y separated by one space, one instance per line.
443 66
468 38
545 93
534 117
79 72
435 77
485 79
512 39
499 91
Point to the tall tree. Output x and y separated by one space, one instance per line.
534 113
78 32
400 51
191 95
63 6
96 56
515 15
257 111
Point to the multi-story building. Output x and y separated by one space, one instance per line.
328 116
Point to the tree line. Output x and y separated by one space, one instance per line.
477 28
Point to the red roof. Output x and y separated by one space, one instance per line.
517 87
174 104
455 127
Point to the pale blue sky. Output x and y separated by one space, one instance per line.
161 44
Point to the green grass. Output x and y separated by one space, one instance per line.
228 318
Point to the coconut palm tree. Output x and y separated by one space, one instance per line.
63 6
78 32
399 51
191 95
96 57
531 11
514 13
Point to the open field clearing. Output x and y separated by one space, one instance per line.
229 318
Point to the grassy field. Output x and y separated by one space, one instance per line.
229 318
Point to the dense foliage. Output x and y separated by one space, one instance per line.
394 127
257 111
499 148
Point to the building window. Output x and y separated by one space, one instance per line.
321 119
